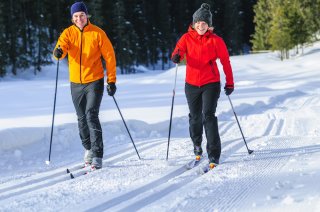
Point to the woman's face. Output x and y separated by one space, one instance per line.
201 27
80 19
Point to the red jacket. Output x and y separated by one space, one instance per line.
201 52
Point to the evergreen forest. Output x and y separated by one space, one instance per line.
145 32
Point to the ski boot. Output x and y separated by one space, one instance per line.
96 164
213 163
197 150
87 158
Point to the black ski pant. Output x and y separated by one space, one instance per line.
86 100
202 102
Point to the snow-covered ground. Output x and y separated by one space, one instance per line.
277 104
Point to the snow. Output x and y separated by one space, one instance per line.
277 104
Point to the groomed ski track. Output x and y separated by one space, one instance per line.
154 184
278 109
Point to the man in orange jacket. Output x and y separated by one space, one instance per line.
202 48
85 43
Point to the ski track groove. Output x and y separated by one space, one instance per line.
57 173
34 187
224 129
156 195
269 127
138 191
280 128
61 175
307 102
51 179
270 167
148 200
114 204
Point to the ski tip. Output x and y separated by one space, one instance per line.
205 170
71 175
68 171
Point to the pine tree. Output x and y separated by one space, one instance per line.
123 40
3 49
262 20
27 17
11 35
96 12
233 23
142 32
311 13
181 17
217 9
151 39
43 52
248 26
164 36
299 30
280 37
137 16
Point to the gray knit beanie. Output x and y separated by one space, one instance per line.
203 14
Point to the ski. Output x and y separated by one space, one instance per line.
73 173
193 163
84 171
208 167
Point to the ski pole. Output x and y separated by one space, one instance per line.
172 103
235 115
54 109
126 126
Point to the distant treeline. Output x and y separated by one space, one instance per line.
142 32
285 24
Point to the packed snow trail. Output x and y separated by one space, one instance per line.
277 104
242 181
49 178
237 184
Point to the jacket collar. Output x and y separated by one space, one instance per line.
85 28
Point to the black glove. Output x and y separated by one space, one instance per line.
176 58
228 89
58 52
111 88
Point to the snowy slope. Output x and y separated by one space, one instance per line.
277 104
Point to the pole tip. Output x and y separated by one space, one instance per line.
250 151
47 162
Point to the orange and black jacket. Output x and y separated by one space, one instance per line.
201 53
84 49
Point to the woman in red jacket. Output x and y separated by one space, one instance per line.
202 88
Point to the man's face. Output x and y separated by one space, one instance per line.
201 27
80 19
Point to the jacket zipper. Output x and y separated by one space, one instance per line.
81 55
200 55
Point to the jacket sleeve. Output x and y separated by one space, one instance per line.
181 47
223 55
108 54
63 42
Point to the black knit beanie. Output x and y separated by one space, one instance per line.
203 14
